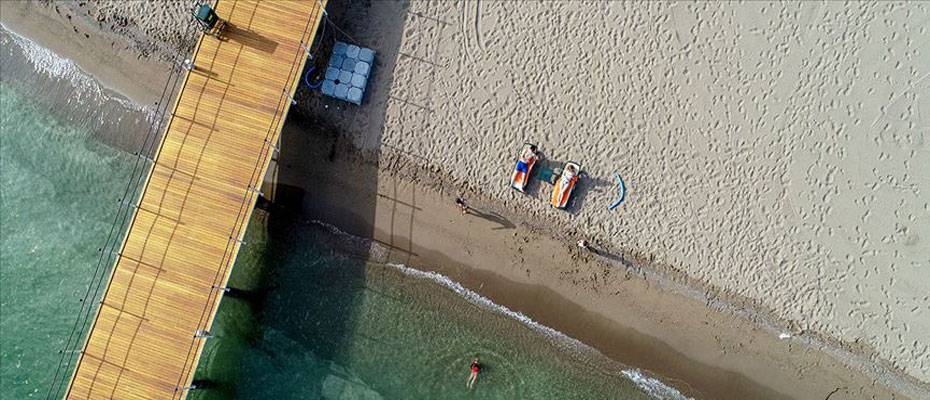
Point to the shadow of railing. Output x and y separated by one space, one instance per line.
248 38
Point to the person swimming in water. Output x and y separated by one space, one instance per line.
475 367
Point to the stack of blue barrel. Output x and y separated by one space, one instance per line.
348 72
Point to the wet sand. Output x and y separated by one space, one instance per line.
120 61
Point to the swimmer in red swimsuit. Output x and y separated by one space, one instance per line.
475 367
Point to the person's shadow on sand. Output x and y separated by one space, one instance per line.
493 217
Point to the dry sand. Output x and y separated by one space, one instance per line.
773 155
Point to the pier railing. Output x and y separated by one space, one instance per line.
108 252
130 204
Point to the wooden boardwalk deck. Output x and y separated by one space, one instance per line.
196 203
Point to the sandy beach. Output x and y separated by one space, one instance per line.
603 300
771 152
773 156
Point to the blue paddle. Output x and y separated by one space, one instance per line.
622 193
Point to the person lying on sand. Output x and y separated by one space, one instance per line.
528 153
475 367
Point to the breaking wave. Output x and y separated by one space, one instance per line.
651 385
648 384
55 67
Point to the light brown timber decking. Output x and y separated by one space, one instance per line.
196 203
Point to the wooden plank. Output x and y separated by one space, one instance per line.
197 200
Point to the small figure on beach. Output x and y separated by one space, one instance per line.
460 202
475 367
584 245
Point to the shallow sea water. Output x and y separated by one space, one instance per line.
312 319
59 193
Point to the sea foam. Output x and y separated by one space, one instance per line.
652 385
55 67
648 384
485 302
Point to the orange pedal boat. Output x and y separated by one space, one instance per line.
562 191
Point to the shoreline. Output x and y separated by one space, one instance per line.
435 251
58 83
106 56
614 310
754 200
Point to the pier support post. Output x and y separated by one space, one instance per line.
144 157
225 289
188 64
274 147
185 388
306 50
131 205
293 102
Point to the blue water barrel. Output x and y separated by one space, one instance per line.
366 55
345 77
359 81
352 51
341 91
349 64
332 74
354 95
339 48
328 88
362 68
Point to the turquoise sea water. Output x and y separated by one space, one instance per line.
310 319
58 190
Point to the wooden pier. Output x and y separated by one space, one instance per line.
180 247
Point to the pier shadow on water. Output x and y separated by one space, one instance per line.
285 325
289 307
